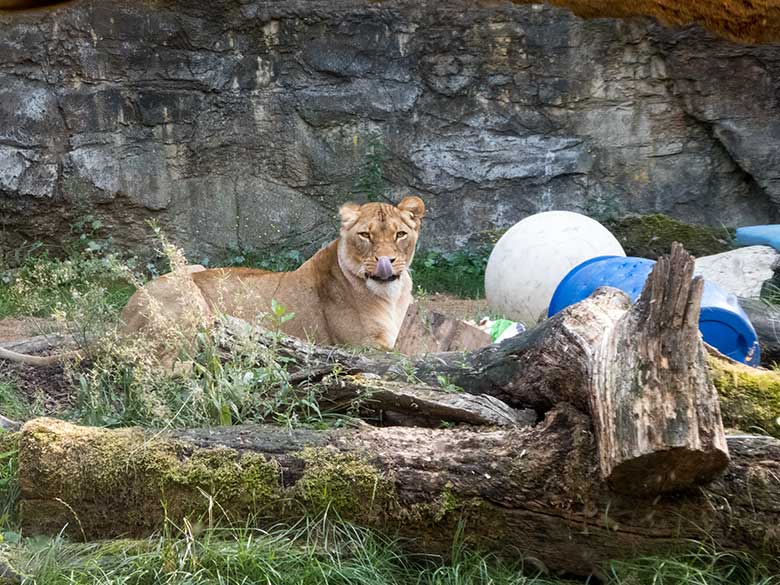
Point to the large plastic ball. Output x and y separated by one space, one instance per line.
534 255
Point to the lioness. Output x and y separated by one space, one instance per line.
354 291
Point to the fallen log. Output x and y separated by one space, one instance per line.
640 372
417 405
38 343
531 491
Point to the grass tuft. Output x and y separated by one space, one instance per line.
326 552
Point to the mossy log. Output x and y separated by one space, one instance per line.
639 372
531 491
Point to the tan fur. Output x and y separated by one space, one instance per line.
332 295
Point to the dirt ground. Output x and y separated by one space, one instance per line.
46 388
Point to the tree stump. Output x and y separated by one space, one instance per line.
656 413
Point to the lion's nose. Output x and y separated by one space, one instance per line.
384 267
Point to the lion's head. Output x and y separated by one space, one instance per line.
378 239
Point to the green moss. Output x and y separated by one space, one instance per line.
124 481
749 397
344 483
651 236
449 504
152 478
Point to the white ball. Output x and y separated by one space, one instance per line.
534 255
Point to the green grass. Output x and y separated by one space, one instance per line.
9 485
330 553
43 284
460 273
12 404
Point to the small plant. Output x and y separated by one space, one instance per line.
370 181
461 273
447 386
603 208
89 235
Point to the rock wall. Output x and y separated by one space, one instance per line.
243 124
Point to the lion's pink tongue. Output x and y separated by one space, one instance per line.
384 269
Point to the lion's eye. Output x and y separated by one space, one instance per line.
400 235
365 235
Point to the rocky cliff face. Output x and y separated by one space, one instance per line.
243 124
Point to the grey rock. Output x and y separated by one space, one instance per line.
243 124
742 271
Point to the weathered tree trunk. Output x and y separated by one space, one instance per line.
520 491
656 413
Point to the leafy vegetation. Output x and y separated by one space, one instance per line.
278 261
461 273
370 180
44 285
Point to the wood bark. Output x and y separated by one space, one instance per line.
656 412
531 491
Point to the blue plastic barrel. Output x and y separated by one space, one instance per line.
723 323
759 235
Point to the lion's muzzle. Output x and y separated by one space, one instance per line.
384 269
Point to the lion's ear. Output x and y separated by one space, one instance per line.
415 207
349 214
